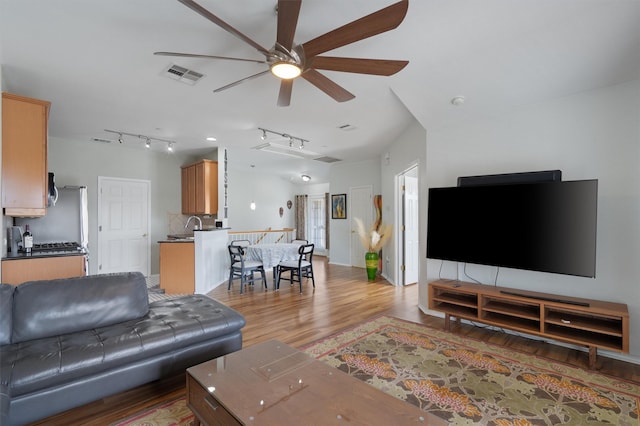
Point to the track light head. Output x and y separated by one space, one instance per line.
120 138
264 135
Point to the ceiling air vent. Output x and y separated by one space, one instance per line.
183 75
347 127
285 149
326 159
102 140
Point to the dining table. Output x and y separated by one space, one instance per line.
271 254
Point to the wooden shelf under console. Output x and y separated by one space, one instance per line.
591 323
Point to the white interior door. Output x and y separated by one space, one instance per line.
411 236
360 205
123 225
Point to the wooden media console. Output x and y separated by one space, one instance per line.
585 322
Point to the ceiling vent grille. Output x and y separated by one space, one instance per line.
326 159
183 75
347 127
290 151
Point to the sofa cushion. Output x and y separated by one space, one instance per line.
170 325
6 312
54 307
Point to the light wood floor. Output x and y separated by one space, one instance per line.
342 297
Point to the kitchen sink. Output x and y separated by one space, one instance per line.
188 236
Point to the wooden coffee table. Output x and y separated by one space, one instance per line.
272 383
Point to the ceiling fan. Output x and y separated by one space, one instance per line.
288 61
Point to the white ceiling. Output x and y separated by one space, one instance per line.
94 61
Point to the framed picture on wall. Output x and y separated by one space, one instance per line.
339 206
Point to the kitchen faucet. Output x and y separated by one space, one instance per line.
195 227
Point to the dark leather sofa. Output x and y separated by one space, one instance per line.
64 343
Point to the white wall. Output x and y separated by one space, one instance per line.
594 134
268 192
81 162
407 150
345 176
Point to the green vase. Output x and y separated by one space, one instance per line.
371 261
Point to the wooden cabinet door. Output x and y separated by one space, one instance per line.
200 188
24 155
18 271
177 268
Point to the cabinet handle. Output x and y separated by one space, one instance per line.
211 403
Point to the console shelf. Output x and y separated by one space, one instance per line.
591 323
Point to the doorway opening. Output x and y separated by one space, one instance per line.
407 243
316 231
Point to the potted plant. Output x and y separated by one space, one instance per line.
373 241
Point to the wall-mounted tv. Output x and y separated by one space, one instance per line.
543 226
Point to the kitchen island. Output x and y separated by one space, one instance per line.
195 264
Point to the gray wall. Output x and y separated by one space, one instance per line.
345 176
409 149
80 163
589 135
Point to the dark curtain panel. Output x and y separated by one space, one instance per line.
327 216
301 217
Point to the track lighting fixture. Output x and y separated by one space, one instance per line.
147 139
292 139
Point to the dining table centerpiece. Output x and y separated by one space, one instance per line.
372 241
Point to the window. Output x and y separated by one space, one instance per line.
316 216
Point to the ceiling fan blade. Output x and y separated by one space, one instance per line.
288 11
327 86
195 55
284 97
356 65
222 24
235 83
378 22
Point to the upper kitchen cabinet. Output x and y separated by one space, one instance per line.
24 155
200 188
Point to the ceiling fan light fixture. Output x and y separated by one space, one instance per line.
285 70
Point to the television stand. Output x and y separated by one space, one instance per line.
547 298
585 322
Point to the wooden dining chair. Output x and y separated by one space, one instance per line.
298 269
243 269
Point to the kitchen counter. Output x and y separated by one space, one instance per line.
190 235
42 254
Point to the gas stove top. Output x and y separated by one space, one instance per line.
56 247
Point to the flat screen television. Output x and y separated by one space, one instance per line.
545 226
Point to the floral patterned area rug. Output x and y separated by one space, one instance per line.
466 381
171 413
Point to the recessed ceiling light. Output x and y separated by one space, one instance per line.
212 139
306 178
